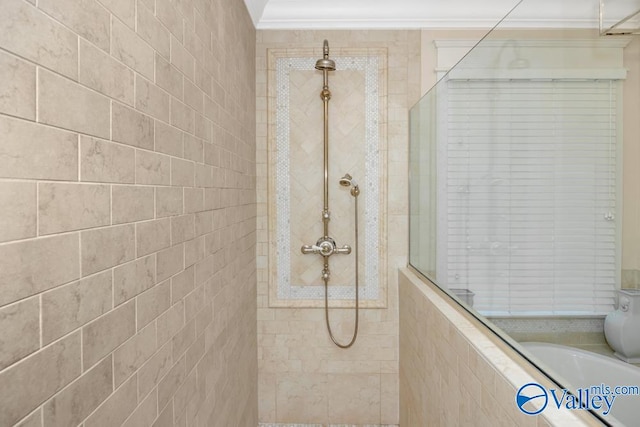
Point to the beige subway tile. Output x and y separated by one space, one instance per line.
168 139
171 381
182 173
182 284
127 47
107 247
182 116
193 200
19 330
29 33
131 127
182 228
67 207
133 278
182 59
152 372
106 333
152 236
99 71
103 161
145 413
170 322
193 96
29 150
33 420
152 168
169 201
26 385
69 307
152 31
212 154
166 417
203 127
194 302
183 339
153 302
170 17
131 203
169 262
117 407
132 354
152 100
123 9
204 175
17 87
302 397
193 148
57 264
76 402
90 20
204 223
66 104
169 77
194 251
18 210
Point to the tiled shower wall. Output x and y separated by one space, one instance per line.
127 213
303 376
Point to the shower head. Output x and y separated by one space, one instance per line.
325 64
348 181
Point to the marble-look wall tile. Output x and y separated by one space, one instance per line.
29 33
169 201
169 78
66 104
154 369
131 203
170 382
133 278
145 413
171 18
105 334
153 236
77 401
152 168
123 9
131 127
117 407
152 100
131 355
170 261
182 173
127 47
152 303
19 330
17 87
101 72
182 116
27 385
68 307
151 30
90 204
168 139
107 247
57 264
170 322
182 228
91 21
103 161
33 420
18 212
37 152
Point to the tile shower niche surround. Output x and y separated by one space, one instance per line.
357 145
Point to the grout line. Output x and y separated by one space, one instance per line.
41 321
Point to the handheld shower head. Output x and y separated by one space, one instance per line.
348 181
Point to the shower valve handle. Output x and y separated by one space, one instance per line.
326 247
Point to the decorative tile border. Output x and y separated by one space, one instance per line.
284 293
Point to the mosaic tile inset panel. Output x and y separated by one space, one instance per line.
294 77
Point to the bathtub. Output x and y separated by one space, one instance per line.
577 368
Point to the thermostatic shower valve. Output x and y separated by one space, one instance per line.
326 247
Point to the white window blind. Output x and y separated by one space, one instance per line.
531 195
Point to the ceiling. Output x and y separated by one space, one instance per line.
328 14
